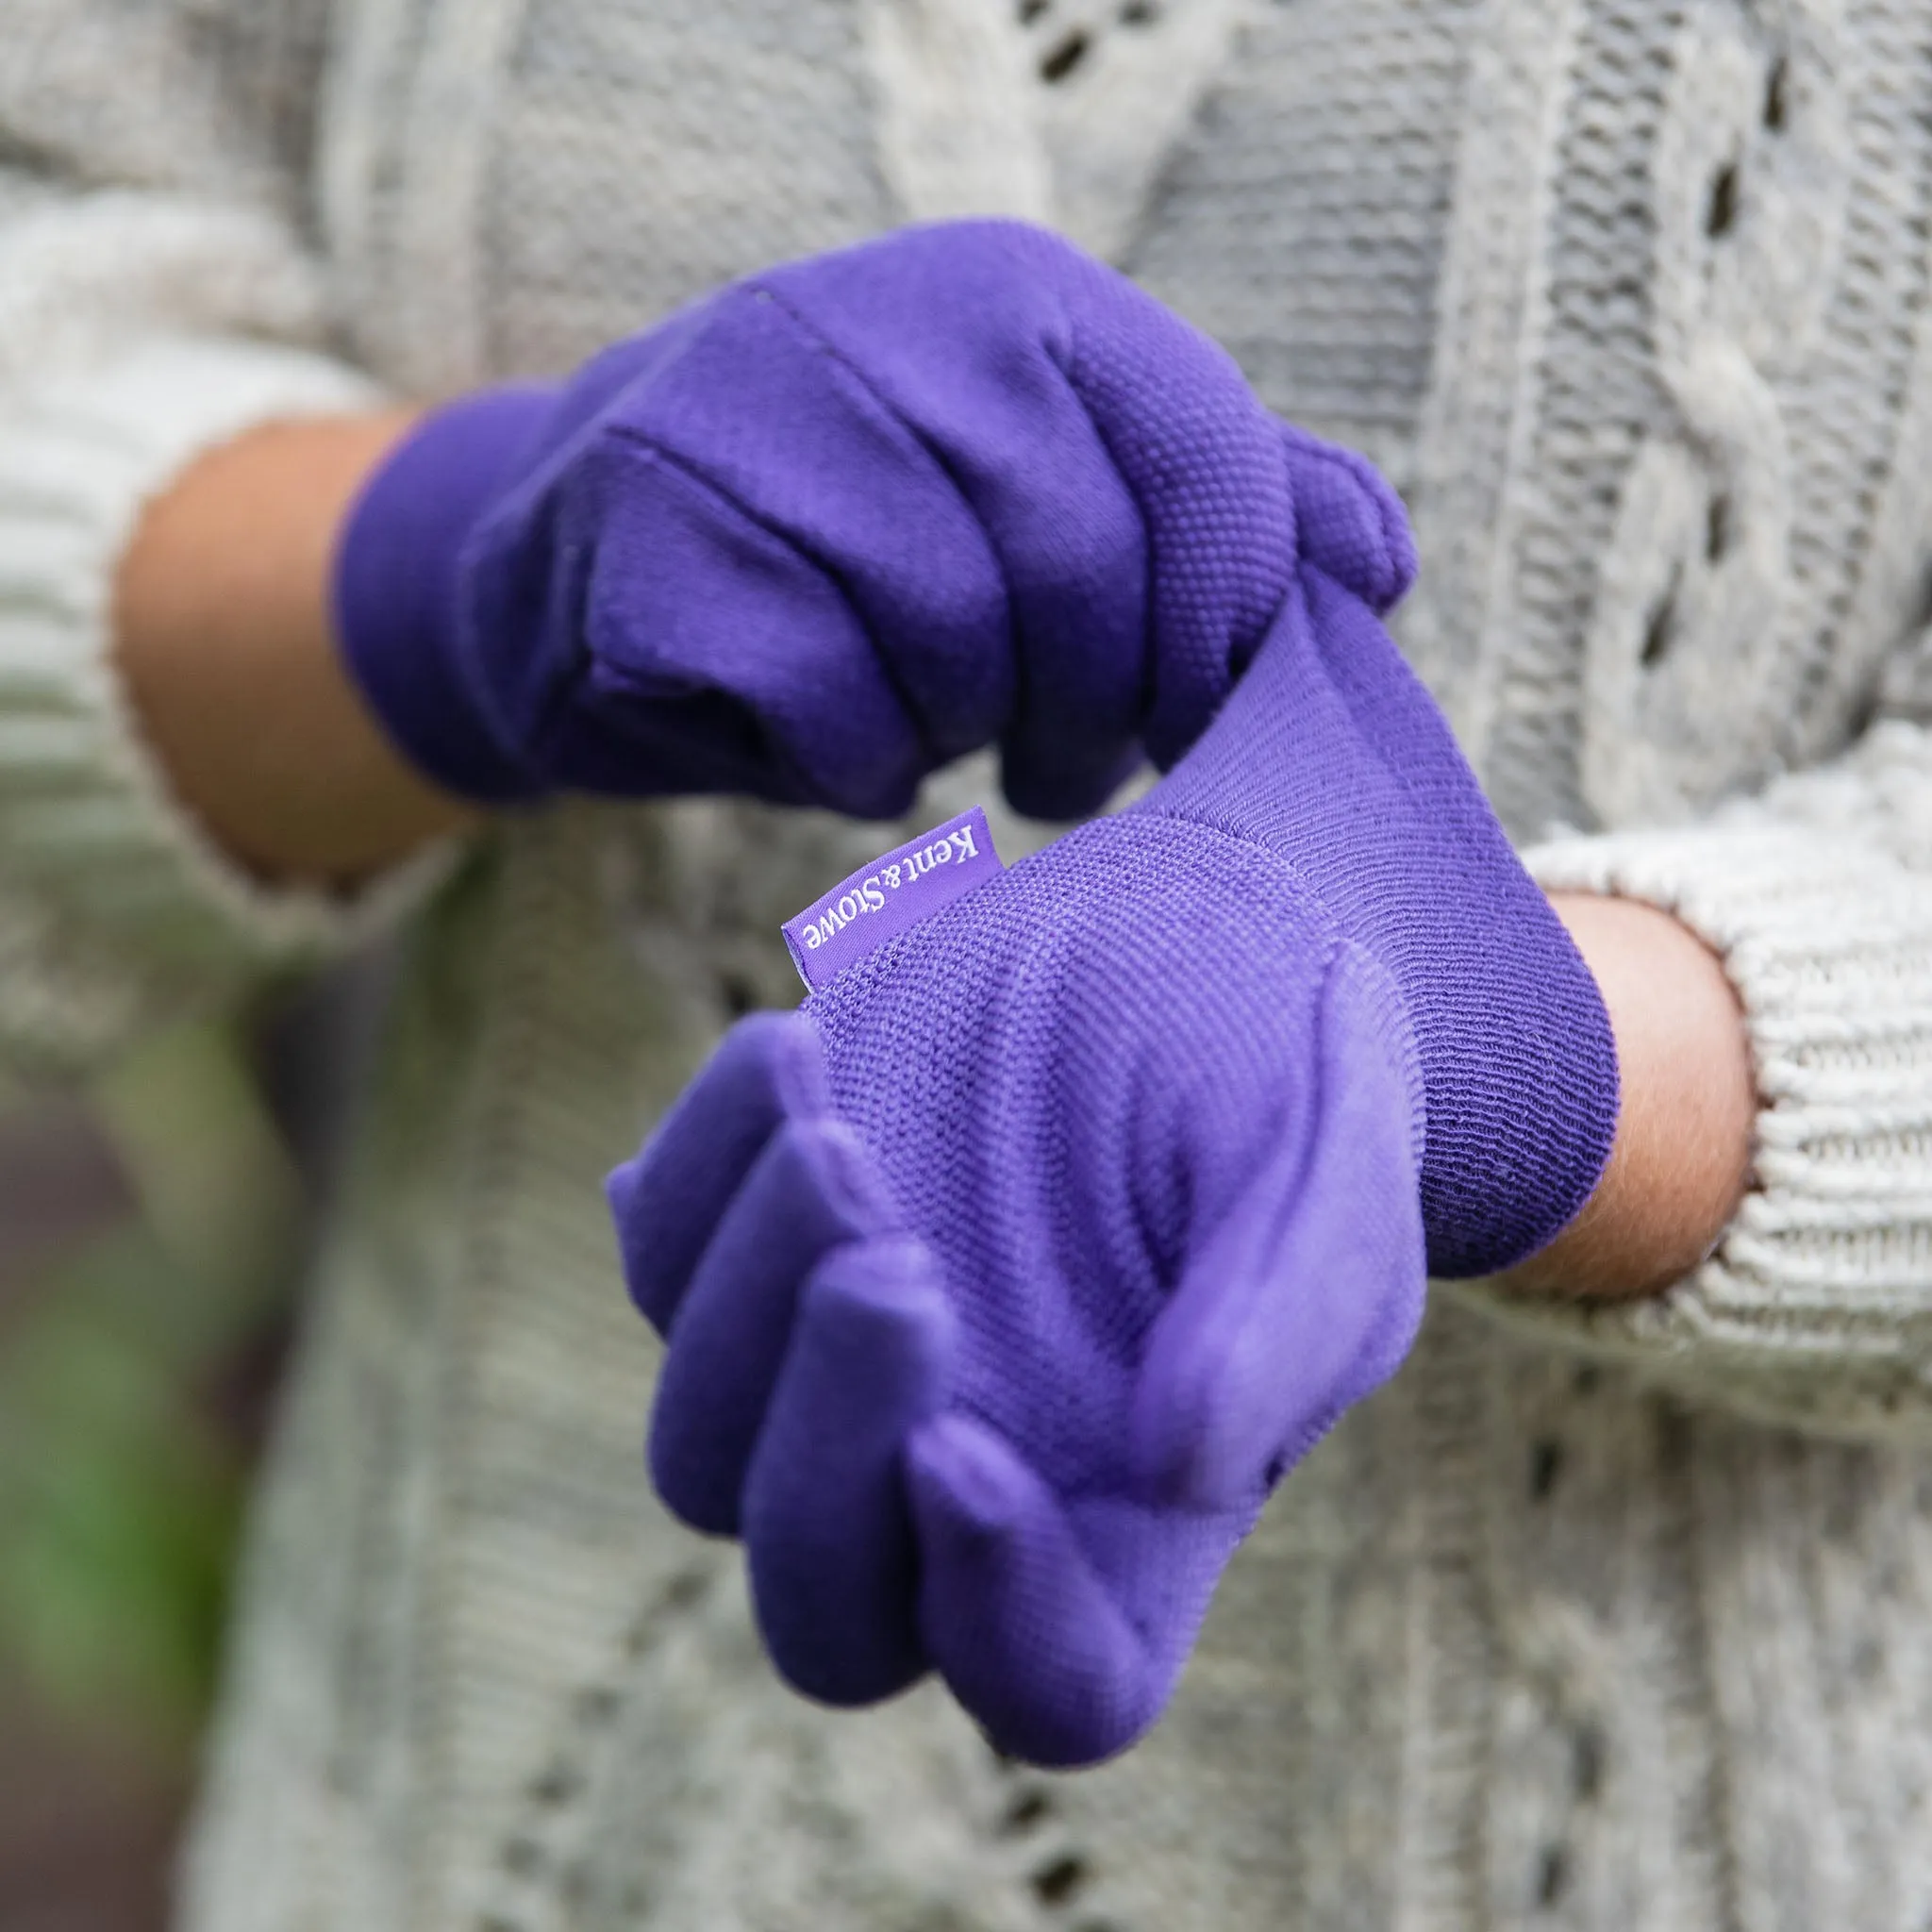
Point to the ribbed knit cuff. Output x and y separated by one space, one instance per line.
1816 1308
117 905
395 589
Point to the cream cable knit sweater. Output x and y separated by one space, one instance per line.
1631 298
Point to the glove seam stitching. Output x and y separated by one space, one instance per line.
688 472
1019 656
816 338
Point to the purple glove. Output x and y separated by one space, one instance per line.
1003 1283
827 530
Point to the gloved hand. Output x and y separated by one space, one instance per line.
1003 1282
827 530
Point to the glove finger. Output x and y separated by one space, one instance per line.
964 332
827 1529
1014 1614
1307 1293
1349 523
668 1202
814 1189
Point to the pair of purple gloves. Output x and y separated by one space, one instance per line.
1003 1282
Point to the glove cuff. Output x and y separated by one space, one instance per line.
394 588
1330 753
1519 1066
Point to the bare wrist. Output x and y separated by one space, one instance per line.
1682 1154
225 642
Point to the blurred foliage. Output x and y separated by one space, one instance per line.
121 1477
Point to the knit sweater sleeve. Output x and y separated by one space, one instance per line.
139 326
1816 1306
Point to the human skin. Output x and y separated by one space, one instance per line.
225 647
225 644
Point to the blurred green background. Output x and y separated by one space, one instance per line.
151 1231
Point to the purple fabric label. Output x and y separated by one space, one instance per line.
910 883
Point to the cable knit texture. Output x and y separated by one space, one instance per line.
1630 299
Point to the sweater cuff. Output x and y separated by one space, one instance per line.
118 908
1815 1309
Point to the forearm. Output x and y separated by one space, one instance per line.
225 643
1683 1147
